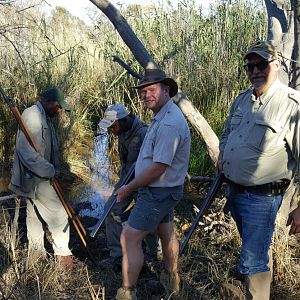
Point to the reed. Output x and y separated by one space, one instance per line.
202 51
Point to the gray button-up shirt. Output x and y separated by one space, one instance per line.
167 141
261 136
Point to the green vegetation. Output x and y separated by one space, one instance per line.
203 52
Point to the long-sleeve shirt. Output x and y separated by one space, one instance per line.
30 166
130 143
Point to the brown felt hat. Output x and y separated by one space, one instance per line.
153 76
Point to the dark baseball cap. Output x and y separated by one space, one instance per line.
54 94
264 49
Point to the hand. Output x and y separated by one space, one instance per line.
219 165
123 192
52 179
294 221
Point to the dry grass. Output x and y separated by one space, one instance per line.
210 261
27 277
204 54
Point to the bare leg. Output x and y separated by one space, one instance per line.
133 256
170 246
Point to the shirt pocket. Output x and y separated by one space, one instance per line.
265 135
236 120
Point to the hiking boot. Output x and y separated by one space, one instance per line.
111 262
170 281
232 291
258 286
126 294
65 261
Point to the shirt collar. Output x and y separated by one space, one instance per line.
269 93
162 111
45 118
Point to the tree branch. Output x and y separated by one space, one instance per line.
281 34
146 61
126 67
130 39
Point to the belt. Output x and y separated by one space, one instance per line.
268 189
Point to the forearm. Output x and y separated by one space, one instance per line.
219 162
33 160
148 176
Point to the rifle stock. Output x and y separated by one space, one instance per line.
217 183
113 199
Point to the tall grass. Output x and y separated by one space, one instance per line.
203 52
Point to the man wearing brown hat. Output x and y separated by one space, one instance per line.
131 132
259 155
160 171
31 177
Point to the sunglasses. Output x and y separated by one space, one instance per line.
261 66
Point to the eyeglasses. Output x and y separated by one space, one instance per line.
261 66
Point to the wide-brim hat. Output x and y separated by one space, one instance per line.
264 49
153 76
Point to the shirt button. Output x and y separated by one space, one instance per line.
228 163
241 136
248 122
227 175
231 149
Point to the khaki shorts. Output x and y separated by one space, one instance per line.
154 205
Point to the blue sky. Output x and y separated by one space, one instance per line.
80 8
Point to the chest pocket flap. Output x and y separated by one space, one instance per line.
265 136
274 127
236 120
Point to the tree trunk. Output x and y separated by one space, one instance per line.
296 57
281 34
145 60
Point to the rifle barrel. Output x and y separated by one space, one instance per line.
129 176
204 207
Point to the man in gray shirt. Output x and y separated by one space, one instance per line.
160 171
259 155
131 132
